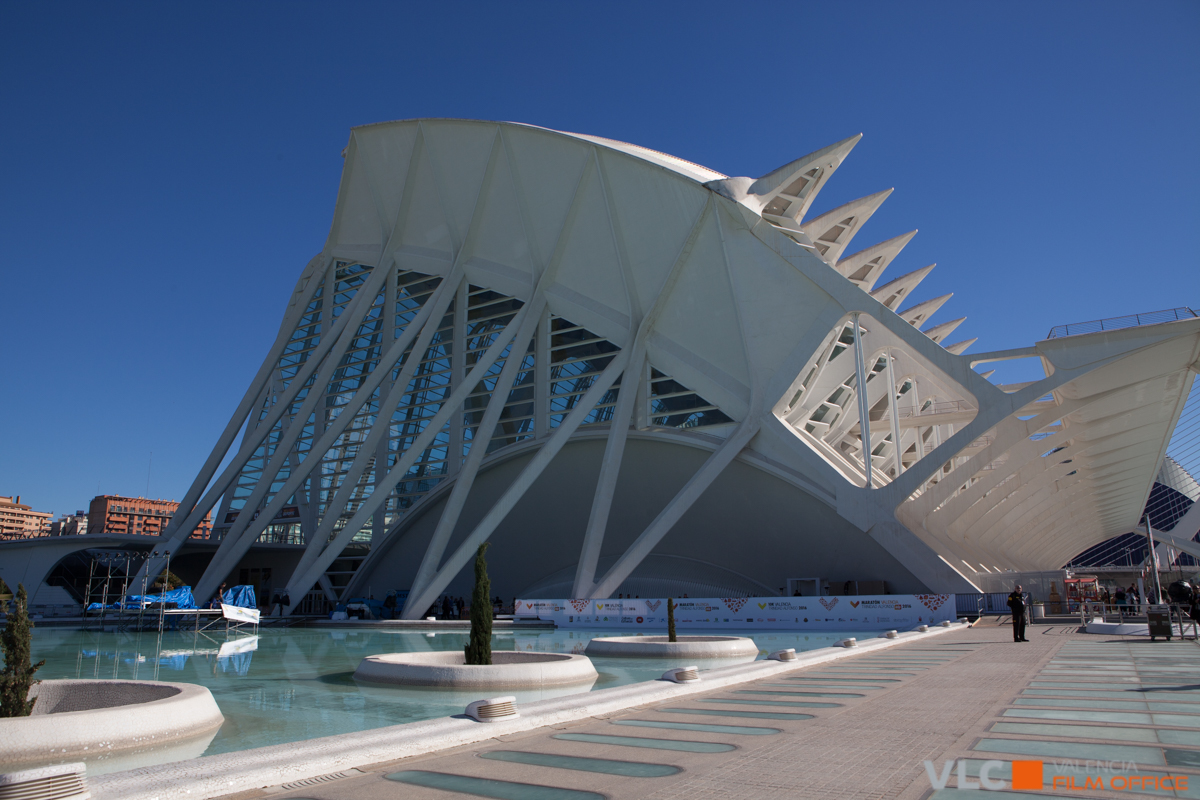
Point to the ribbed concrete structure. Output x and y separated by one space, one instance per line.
634 374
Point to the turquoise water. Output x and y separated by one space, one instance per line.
298 683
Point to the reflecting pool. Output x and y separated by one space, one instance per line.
291 684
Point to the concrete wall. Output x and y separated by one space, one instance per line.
749 522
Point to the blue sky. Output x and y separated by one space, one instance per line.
167 169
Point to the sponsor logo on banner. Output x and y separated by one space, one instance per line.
933 601
767 613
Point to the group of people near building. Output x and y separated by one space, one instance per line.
1181 593
451 607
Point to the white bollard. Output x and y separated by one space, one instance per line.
495 709
61 782
682 675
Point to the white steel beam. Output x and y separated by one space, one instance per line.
860 390
431 315
512 495
675 509
891 385
479 445
606 483
300 581
232 548
186 517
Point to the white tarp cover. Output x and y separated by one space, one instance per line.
239 614
871 612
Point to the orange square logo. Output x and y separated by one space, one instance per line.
1027 775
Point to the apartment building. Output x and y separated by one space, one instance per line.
19 521
70 524
137 515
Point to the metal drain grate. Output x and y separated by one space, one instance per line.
333 776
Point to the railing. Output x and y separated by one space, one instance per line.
1179 615
1117 323
985 603
947 407
981 442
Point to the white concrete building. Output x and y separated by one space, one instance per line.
632 373
70 524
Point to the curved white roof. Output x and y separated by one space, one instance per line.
716 283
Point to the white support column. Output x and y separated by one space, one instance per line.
308 508
431 317
610 467
641 414
305 578
327 588
479 446
232 548
897 445
675 509
628 400
513 494
541 378
493 352
320 361
458 370
388 336
864 417
247 405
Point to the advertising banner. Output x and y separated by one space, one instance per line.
867 612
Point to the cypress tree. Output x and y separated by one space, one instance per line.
479 647
670 620
17 676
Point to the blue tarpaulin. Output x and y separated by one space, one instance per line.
181 597
240 596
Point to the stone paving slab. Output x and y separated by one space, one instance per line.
872 746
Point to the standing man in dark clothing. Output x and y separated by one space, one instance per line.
1017 603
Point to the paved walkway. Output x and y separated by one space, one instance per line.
861 727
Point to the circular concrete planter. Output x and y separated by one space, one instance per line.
685 647
111 725
510 669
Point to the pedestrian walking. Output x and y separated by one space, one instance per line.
1017 603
